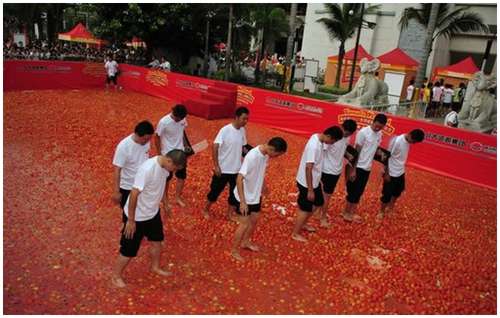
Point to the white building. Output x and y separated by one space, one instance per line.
387 36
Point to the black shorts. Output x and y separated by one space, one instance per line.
125 194
306 205
152 229
219 183
447 105
179 174
252 208
110 79
356 188
328 182
393 188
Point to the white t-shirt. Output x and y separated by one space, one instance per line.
409 92
447 95
399 148
129 155
150 181
334 156
253 171
111 67
165 66
369 140
436 94
313 153
171 133
231 142
451 118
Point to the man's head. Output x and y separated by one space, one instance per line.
412 82
349 126
379 122
276 146
179 112
143 132
241 116
332 134
415 136
176 160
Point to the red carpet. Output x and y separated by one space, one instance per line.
435 255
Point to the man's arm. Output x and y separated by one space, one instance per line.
309 181
132 204
117 196
215 158
241 194
158 143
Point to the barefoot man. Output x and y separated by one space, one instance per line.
332 167
308 179
227 156
248 191
170 135
141 214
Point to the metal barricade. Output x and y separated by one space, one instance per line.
416 110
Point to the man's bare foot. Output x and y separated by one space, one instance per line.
299 238
347 216
380 216
309 228
180 202
232 217
236 255
205 214
356 218
118 282
161 272
251 247
324 223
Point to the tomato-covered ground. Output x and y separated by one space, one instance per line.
435 254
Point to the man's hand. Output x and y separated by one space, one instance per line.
116 197
244 209
129 229
310 195
217 171
352 175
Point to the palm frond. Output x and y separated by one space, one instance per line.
445 18
467 22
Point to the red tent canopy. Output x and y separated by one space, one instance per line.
349 55
466 66
397 57
80 34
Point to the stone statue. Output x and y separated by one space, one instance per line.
368 89
479 113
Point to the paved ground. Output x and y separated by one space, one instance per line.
436 254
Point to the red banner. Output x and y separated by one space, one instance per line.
456 153
452 152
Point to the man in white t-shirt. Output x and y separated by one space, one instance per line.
164 65
309 177
130 153
410 90
394 172
248 191
227 155
170 134
141 217
367 142
112 68
332 167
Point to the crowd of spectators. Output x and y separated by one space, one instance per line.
66 51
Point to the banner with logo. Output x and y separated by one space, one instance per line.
456 153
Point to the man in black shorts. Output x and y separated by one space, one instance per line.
141 214
249 188
227 154
309 177
367 142
112 71
394 172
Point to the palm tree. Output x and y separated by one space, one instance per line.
228 43
341 24
449 20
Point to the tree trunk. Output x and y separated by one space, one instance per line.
259 58
339 64
431 26
289 47
228 44
205 66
